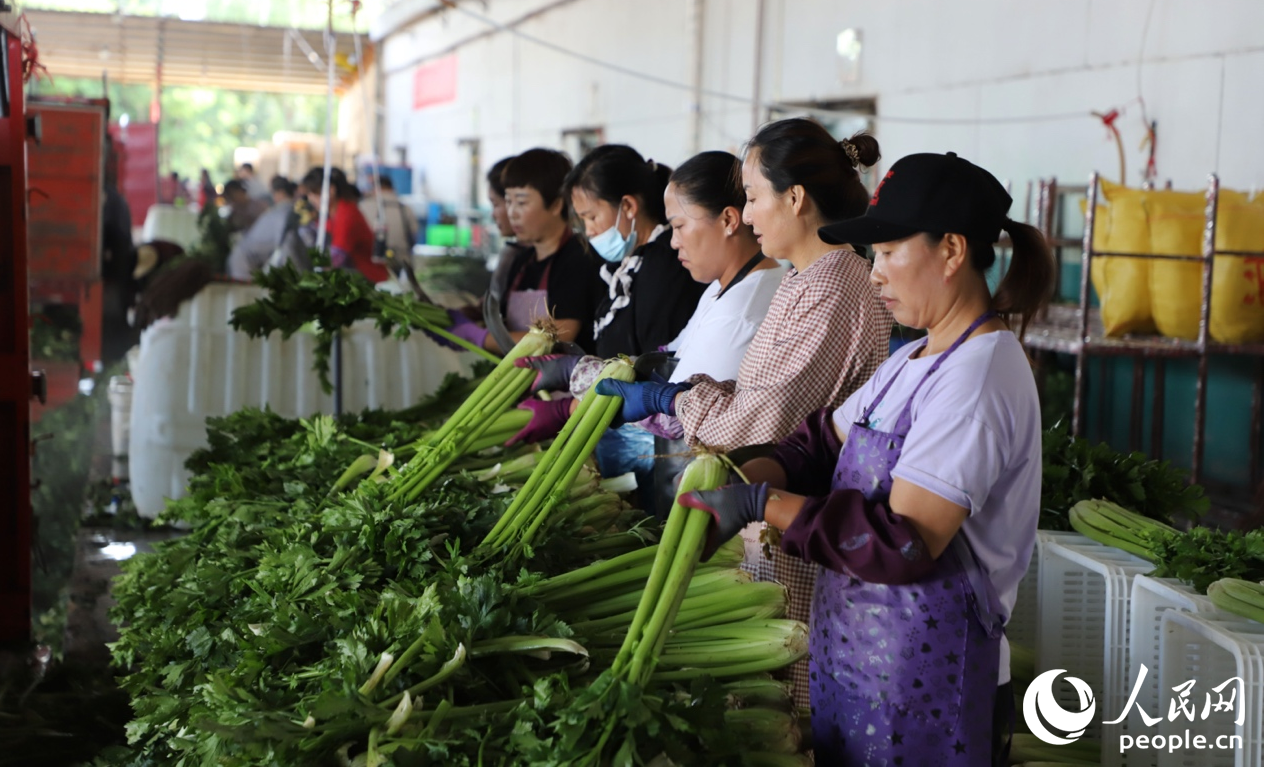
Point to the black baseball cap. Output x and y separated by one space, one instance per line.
928 193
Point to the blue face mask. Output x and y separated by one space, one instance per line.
613 246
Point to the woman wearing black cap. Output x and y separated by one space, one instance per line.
919 496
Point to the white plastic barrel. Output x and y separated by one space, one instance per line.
195 365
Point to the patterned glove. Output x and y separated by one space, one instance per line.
642 400
547 419
553 370
732 507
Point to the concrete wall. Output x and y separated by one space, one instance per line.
945 76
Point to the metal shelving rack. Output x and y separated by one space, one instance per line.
1077 330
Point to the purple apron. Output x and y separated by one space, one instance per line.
903 675
524 307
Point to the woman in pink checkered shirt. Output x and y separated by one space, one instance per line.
824 335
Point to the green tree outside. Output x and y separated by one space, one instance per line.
201 126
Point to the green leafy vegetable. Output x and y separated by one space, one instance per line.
1203 556
335 299
1078 470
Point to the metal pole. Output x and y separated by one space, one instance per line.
757 91
370 126
336 361
698 19
330 48
1077 412
1200 390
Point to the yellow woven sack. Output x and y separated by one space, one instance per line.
1176 229
1237 284
1122 284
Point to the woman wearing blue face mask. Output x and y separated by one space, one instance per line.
647 295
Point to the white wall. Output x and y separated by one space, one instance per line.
975 62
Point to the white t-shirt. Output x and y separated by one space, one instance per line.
975 441
715 339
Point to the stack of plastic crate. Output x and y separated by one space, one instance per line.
1210 650
1085 589
1151 598
1024 624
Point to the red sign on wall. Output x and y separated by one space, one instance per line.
435 83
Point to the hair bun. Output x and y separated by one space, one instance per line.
853 153
865 148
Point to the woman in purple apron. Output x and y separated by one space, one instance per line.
919 496
552 276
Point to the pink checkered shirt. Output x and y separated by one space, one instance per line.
825 335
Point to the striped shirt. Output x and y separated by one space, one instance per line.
824 335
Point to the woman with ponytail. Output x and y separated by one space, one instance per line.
647 296
919 497
824 335
644 295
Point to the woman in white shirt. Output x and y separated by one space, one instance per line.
704 209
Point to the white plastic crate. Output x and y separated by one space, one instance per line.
1023 626
195 365
1211 650
1151 598
1085 588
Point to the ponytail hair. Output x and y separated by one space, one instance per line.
1028 283
800 152
612 171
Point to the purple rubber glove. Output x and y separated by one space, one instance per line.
464 327
553 370
732 508
547 419
642 400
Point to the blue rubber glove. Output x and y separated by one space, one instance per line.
642 400
554 370
731 507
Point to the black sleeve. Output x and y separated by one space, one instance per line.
572 284
665 296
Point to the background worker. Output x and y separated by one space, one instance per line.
400 227
243 210
350 237
258 245
553 276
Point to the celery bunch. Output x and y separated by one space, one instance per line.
498 393
550 483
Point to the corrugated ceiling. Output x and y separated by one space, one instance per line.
229 56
